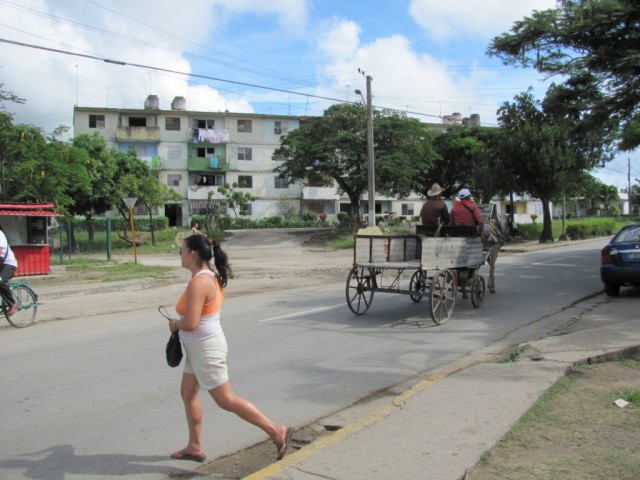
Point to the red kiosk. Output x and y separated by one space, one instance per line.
25 226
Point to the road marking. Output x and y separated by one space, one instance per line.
305 312
555 264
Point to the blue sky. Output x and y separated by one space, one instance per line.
426 57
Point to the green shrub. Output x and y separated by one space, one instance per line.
271 222
597 227
529 231
343 218
310 216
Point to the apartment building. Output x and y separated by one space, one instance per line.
195 152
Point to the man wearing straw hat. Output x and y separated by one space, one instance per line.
434 211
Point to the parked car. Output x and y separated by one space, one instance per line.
620 260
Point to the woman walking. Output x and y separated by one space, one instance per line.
205 346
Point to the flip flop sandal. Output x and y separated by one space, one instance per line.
282 448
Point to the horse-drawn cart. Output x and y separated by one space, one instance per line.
442 261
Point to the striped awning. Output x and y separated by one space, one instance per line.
28 209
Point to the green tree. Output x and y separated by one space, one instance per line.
333 148
38 168
110 174
595 46
235 199
467 157
150 192
539 150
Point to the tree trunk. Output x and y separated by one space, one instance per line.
564 237
547 234
355 207
153 236
91 228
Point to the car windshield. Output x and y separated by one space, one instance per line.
629 235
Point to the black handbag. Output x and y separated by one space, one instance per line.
174 350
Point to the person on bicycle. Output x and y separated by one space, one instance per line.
8 267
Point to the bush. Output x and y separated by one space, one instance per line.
310 216
598 227
271 222
343 218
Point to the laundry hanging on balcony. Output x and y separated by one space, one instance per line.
213 135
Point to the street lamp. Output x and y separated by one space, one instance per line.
130 202
371 220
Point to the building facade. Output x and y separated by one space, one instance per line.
195 152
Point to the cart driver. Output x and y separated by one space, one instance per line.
434 211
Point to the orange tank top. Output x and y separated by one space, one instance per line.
208 308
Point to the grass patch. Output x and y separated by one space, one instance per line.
98 270
513 355
631 395
574 430
341 243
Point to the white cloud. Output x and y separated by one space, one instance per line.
52 83
291 14
466 19
403 78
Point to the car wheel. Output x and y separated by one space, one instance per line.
612 289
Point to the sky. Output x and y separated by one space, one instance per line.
281 57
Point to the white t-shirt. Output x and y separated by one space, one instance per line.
5 248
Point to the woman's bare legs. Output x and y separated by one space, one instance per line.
226 399
193 408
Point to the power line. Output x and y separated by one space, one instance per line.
187 74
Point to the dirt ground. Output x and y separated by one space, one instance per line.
575 431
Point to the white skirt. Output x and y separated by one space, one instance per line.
207 360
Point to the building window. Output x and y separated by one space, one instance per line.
245 153
280 127
210 180
139 150
245 181
244 126
407 209
173 179
281 182
205 123
206 152
137 121
247 210
279 157
96 121
172 123
174 152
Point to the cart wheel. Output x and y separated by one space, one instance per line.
477 291
359 292
418 284
443 296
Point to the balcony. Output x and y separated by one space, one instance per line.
207 164
320 193
138 134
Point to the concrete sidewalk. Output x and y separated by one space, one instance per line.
439 428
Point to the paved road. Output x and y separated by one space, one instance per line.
86 406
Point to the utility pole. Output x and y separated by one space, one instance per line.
629 187
371 177
372 173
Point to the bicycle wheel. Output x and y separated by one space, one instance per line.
27 307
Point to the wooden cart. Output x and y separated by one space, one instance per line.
443 261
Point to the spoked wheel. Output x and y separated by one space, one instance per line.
418 284
477 291
443 296
27 307
359 290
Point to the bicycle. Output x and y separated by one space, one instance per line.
28 304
